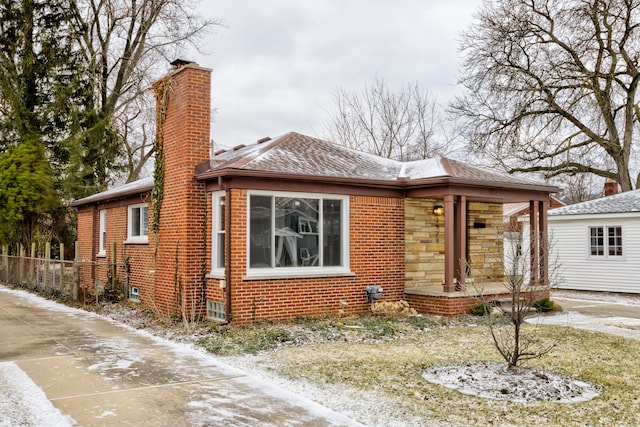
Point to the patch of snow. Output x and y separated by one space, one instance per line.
611 298
519 384
38 301
106 414
620 326
422 169
23 403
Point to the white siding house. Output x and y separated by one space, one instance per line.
597 243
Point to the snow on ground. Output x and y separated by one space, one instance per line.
622 326
604 297
626 327
23 403
519 384
488 380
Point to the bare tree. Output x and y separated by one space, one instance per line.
514 339
127 44
402 125
551 86
580 188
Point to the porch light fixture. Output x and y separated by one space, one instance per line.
438 210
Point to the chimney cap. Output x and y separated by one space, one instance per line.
180 62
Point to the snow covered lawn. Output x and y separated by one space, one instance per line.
415 371
380 370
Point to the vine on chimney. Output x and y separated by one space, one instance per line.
161 90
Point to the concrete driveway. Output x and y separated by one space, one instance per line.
78 368
603 312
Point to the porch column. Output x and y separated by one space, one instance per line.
462 242
544 244
534 244
449 241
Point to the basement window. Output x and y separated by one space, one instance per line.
215 310
134 294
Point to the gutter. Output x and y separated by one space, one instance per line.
401 183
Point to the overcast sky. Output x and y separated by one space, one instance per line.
278 62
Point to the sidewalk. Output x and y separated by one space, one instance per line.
70 367
602 312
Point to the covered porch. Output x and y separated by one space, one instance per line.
454 243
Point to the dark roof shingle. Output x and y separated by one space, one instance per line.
626 202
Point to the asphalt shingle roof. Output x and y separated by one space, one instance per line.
618 203
298 154
294 155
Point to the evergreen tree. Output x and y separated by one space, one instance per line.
41 85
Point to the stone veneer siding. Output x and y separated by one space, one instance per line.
424 236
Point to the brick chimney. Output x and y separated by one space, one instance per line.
183 110
610 187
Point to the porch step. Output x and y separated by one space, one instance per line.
506 307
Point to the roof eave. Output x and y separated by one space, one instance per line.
417 183
400 183
96 198
280 175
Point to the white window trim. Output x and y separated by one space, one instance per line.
606 255
130 237
134 294
304 271
216 270
102 244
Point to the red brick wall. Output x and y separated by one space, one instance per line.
87 235
376 258
140 255
180 246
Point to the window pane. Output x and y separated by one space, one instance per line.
135 221
260 232
597 241
296 232
103 230
220 250
144 220
221 214
615 241
332 232
219 223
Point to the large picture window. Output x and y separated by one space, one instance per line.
609 244
291 231
138 223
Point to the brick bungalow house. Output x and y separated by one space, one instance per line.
298 226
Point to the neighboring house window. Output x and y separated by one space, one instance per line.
289 231
614 242
102 248
218 230
609 244
138 223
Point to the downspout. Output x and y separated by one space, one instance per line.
227 250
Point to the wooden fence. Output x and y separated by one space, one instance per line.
63 278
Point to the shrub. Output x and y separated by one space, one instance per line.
543 304
480 309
